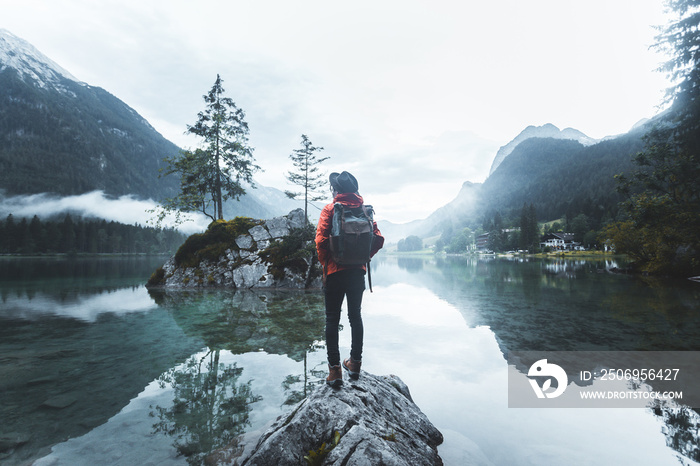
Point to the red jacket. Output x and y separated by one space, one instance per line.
323 233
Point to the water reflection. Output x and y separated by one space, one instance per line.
186 372
107 272
565 305
80 288
682 429
277 322
568 306
412 264
210 409
62 377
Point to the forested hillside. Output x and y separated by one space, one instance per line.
75 139
91 236
543 180
561 178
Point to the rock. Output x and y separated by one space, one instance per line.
259 233
277 227
296 219
12 440
232 255
376 418
42 380
250 275
244 242
248 263
59 402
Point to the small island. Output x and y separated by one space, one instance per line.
245 253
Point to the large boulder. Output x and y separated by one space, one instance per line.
376 420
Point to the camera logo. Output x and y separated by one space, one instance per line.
545 372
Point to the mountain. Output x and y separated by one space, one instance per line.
63 137
559 176
66 137
265 202
545 131
451 216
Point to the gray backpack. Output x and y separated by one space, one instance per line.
352 234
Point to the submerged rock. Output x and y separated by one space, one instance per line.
245 253
11 440
376 420
60 401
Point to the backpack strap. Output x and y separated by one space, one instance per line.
369 213
369 277
341 208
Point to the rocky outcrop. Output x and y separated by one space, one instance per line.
372 420
260 256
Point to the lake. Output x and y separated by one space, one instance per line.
95 369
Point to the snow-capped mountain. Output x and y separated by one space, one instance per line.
62 137
29 62
545 131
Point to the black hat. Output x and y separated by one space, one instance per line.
343 182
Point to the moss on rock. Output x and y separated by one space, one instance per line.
157 278
294 252
213 243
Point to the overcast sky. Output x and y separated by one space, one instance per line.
413 97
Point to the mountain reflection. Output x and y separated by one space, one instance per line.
575 306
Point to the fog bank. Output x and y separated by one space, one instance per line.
124 209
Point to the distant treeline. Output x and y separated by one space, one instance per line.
91 236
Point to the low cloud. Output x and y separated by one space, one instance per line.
124 209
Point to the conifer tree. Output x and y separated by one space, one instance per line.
679 40
661 230
11 236
216 171
529 232
307 174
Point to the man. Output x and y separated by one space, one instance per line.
342 281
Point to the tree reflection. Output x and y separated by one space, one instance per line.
290 323
682 427
299 386
411 264
210 409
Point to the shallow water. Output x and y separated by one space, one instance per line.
94 369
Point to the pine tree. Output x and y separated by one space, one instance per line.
529 232
36 231
679 40
11 236
497 235
661 230
68 234
534 229
215 172
306 174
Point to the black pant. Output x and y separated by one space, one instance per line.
350 283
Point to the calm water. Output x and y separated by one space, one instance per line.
94 369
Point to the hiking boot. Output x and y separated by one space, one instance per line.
353 367
335 376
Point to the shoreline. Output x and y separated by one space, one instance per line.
66 255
